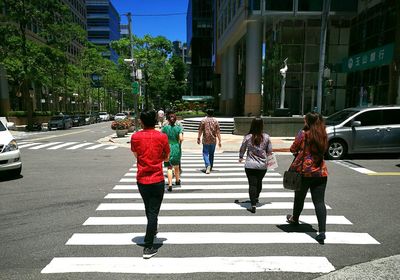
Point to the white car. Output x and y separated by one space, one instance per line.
104 116
10 156
120 116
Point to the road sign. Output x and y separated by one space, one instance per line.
135 87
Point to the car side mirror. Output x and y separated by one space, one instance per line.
356 123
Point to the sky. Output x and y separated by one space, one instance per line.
173 27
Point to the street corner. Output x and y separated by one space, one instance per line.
113 139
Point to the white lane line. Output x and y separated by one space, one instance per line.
204 187
111 148
79 146
221 169
304 264
216 165
212 220
354 167
220 238
202 195
96 146
212 174
205 180
44 145
200 206
28 145
216 161
62 145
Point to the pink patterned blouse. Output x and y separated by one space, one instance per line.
312 167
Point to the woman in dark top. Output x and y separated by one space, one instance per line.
258 146
309 148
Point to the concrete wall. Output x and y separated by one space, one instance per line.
274 126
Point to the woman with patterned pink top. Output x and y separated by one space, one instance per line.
309 147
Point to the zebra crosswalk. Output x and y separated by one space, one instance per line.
64 145
204 203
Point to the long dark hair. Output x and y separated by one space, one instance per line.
316 134
172 119
256 130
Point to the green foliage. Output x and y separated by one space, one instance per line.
17 114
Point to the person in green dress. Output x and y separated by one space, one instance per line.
175 138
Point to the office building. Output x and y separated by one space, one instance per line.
103 25
199 44
253 38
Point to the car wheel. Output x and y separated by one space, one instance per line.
337 149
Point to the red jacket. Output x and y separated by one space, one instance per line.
152 148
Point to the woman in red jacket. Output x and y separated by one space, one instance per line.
309 147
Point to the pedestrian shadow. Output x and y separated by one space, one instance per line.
247 203
158 241
303 228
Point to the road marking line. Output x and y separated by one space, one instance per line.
96 146
111 148
62 145
202 195
354 167
79 146
199 206
204 180
221 169
384 174
28 145
212 220
212 174
60 135
205 187
220 238
304 264
44 145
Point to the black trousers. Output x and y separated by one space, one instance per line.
152 196
255 177
317 186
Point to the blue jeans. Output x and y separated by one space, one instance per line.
208 154
152 195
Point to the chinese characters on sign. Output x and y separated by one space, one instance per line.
369 59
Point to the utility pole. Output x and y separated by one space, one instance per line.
135 96
322 47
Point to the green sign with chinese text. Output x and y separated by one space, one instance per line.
369 59
135 87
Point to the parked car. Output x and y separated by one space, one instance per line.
10 156
78 120
363 130
120 116
104 116
60 121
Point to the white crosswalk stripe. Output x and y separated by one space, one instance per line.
218 238
213 194
189 265
205 187
66 145
200 206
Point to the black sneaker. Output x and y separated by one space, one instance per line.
149 252
178 183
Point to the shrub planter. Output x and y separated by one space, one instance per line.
121 132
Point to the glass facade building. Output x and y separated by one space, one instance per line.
254 37
103 25
199 44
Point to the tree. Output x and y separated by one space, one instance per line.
26 59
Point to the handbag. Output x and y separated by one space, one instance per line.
272 162
292 180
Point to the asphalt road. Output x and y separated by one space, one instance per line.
61 188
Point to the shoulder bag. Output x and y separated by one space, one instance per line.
292 180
